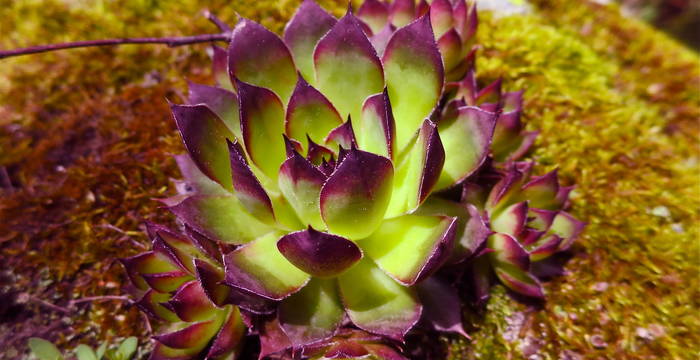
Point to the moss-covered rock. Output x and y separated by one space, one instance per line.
85 136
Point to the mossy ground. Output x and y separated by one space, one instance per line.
86 138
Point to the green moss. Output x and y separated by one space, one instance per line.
86 136
636 185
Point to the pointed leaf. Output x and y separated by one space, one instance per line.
312 314
176 246
467 88
190 303
220 67
476 232
414 76
162 352
347 67
544 248
204 244
210 278
491 94
310 114
343 135
478 275
230 336
166 281
318 153
442 306
568 228
204 135
539 219
381 39
419 172
411 247
152 304
441 17
222 102
195 180
376 303
355 197
221 218
450 46
146 263
250 302
520 282
247 187
466 140
194 337
471 229
506 190
377 128
319 254
542 191
259 57
402 12
302 33
301 183
508 253
262 125
512 220
260 268
374 13
466 20
273 340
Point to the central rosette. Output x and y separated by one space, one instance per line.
315 164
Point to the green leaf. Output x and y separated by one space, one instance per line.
204 135
220 217
418 171
409 247
312 314
414 77
357 194
101 350
466 139
128 348
376 303
347 67
44 350
262 126
84 352
260 268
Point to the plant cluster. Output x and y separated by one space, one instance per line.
345 185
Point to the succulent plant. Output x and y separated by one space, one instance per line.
180 277
454 25
333 176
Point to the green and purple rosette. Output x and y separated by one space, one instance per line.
341 183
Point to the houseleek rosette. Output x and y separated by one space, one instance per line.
330 177
180 278
454 26
324 208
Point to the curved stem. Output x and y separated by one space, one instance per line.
169 41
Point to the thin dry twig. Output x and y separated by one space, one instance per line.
49 305
99 298
216 21
169 41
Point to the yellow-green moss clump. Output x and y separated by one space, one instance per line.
86 137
